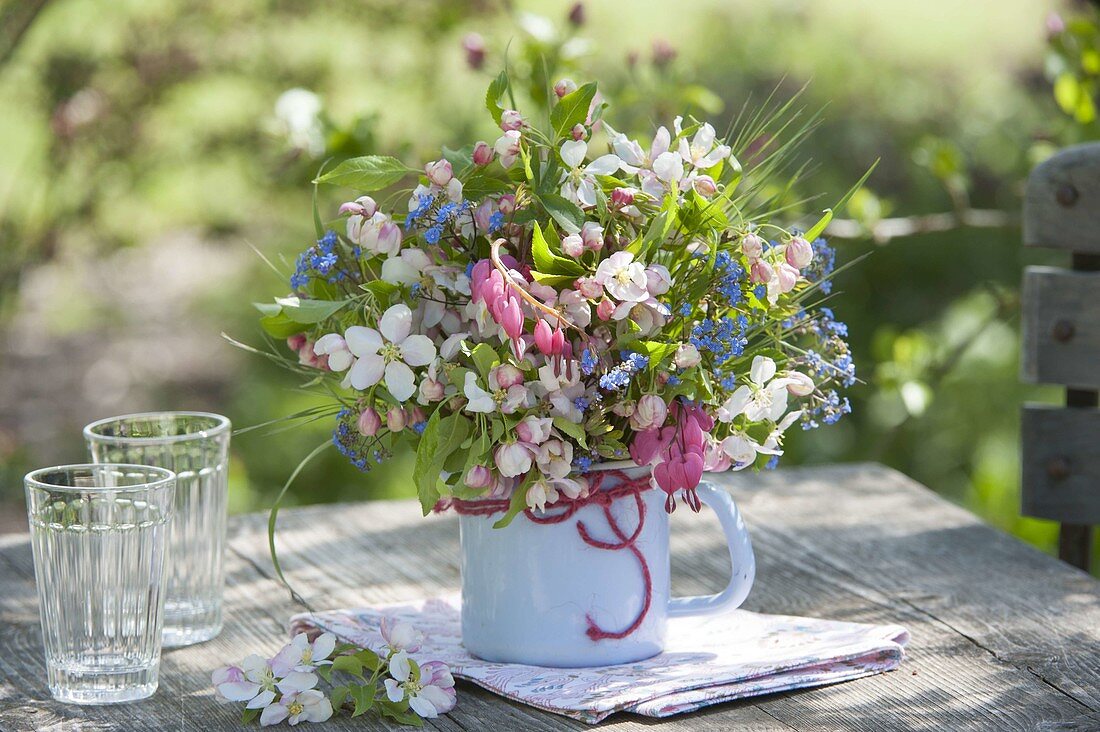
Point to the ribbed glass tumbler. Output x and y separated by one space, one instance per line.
195 445
99 538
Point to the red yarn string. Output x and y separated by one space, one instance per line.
565 508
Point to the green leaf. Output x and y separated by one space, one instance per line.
337 697
267 308
399 712
576 431
310 311
656 351
494 94
569 217
519 502
366 174
380 289
546 260
249 715
441 437
572 109
484 358
363 696
816 229
280 326
552 280
349 665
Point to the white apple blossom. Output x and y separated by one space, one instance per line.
301 655
512 459
389 354
507 147
429 695
579 183
742 449
623 278
299 706
335 347
400 636
377 234
555 458
505 400
764 397
701 153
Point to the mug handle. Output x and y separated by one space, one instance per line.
742 559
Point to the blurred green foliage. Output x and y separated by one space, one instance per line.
126 121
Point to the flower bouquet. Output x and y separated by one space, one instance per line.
570 320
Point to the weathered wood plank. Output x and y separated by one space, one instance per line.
1062 201
1061 327
1061 463
1004 637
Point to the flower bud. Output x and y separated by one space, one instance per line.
576 15
592 235
605 309
565 86
657 279
510 120
649 413
416 416
389 238
799 384
573 246
507 204
588 287
787 275
431 390
296 341
439 172
705 186
478 476
363 206
483 154
621 197
761 272
369 422
799 253
505 376
396 419
474 46
753 246
512 459
624 408
663 53
534 430
578 132
687 355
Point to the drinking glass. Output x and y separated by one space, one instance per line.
99 536
194 445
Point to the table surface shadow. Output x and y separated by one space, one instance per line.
1003 636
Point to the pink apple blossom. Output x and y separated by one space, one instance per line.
572 246
507 147
369 422
511 120
649 413
564 86
483 154
396 419
799 253
512 459
761 272
439 172
753 246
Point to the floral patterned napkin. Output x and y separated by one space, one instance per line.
708 660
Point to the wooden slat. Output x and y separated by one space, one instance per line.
1061 463
1061 327
1004 637
1062 201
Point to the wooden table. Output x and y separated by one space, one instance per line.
1003 636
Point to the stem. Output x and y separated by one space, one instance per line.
494 256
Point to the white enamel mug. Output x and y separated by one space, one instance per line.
539 594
